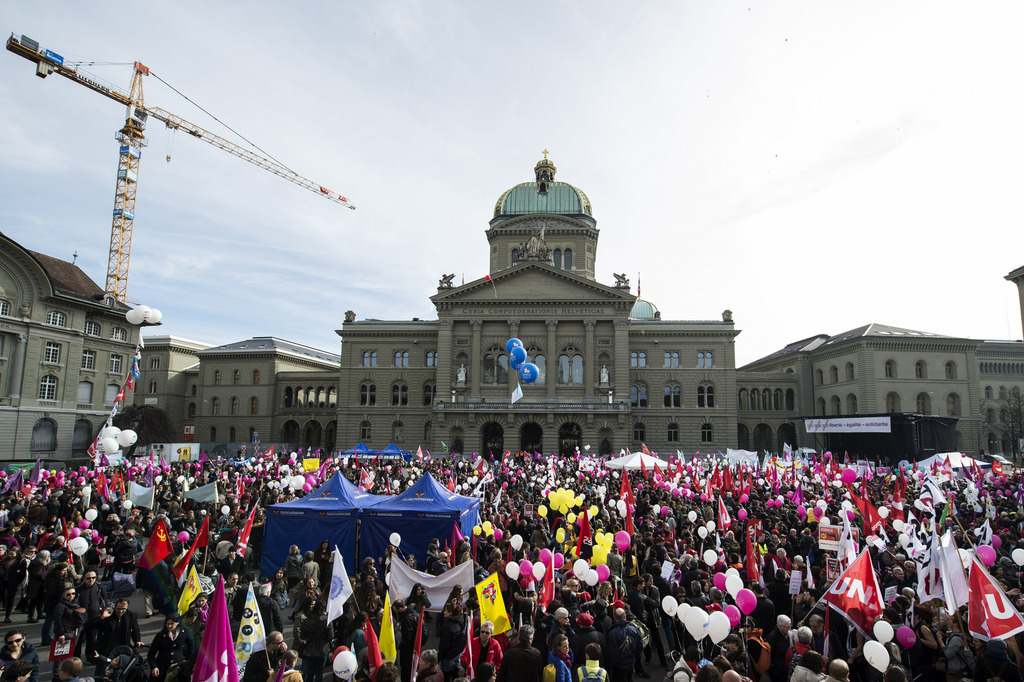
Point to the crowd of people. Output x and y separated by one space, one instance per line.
760 524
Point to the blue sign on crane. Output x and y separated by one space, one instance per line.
54 57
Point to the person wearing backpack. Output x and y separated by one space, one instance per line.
996 665
559 667
759 653
624 647
591 670
959 658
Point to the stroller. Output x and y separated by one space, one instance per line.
126 664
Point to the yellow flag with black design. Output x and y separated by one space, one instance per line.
492 604
190 591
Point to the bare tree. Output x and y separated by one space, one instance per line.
1004 416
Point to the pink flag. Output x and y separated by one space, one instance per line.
216 658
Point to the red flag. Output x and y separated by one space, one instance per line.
643 467
158 547
101 486
753 570
372 649
182 563
365 480
997 468
451 484
416 646
872 520
990 613
723 515
585 542
203 537
855 594
243 537
471 668
626 492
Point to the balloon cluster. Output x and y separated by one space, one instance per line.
113 439
518 360
143 313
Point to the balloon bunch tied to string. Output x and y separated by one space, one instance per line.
518 360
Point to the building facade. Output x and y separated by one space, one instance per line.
65 352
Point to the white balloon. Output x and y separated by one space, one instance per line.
710 557
395 539
1018 556
345 665
825 521
883 632
109 432
821 503
154 316
134 316
592 578
580 566
539 570
127 438
733 585
512 570
904 539
883 512
516 541
225 510
78 545
158 480
656 509
718 626
897 525
702 532
876 655
965 558
711 526
692 516
681 612
91 514
669 605
696 622
127 504
732 571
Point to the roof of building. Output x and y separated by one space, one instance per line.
874 330
265 344
644 310
543 195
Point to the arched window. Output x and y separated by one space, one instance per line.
920 370
5 311
428 394
821 408
819 377
671 358
255 376
851 404
288 396
951 370
790 399
119 334
556 258
704 359
56 319
399 395
706 395
570 367
401 358
988 393
431 360
638 396
833 374
567 259
542 368
369 358
81 437
923 404
953 405
892 403
254 405
364 431
638 359
850 373
743 399
639 432
837 407
215 406
191 410
766 399
216 377
707 434
236 378
495 370
234 406
44 436
48 387
213 434
777 399
673 396
368 395
672 435
890 369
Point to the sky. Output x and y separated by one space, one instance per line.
811 166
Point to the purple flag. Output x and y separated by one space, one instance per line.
216 661
34 476
15 482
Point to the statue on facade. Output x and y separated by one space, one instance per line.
621 281
535 248
446 281
460 374
350 316
604 374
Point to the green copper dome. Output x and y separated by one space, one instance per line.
644 310
544 195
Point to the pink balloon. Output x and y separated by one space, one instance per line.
742 513
770 503
526 568
801 510
906 636
997 541
703 497
987 554
849 476
74 532
83 524
676 492
850 515
746 600
498 534
744 498
95 534
734 614
559 560
81 480
603 572
720 580
818 512
306 488
183 536
622 540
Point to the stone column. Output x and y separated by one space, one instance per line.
589 361
620 370
14 377
474 360
552 369
444 370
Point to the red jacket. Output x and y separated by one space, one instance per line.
494 654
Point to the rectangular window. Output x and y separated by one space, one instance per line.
85 393
115 364
154 363
88 359
48 388
369 358
5 307
52 353
152 387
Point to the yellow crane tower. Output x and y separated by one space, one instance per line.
132 141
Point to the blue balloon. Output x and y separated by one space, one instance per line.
512 343
516 357
529 372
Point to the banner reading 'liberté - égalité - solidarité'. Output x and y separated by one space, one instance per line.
849 425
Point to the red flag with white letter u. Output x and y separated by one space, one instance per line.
990 613
856 595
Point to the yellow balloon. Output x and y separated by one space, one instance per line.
552 496
598 538
599 556
608 540
593 510
477 530
542 510
571 518
560 535
563 509
578 500
488 527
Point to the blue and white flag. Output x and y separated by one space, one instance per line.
341 588
517 394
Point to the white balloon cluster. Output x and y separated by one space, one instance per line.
113 439
143 313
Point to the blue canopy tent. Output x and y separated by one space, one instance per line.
424 511
330 512
360 451
392 451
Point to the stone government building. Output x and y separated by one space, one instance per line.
614 374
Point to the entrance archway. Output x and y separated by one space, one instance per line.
787 435
494 439
570 437
763 438
530 437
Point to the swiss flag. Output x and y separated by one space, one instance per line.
990 613
856 595
997 468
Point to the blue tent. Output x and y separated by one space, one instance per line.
392 451
360 450
424 511
330 512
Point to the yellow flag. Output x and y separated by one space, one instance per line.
310 465
492 605
388 649
191 589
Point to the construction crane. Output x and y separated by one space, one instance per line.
132 141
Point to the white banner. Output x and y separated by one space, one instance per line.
849 425
438 587
204 493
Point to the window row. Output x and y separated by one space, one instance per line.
1003 394
232 434
401 358
670 358
765 399
85 392
1001 368
672 396
233 403
707 433
920 370
310 397
114 366
922 404
236 376
399 394
397 431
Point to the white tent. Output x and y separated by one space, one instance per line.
632 462
957 460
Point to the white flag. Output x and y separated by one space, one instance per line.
341 588
954 582
517 394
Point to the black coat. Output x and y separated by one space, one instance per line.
589 635
165 652
764 614
520 663
67 620
28 653
113 631
453 639
624 646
